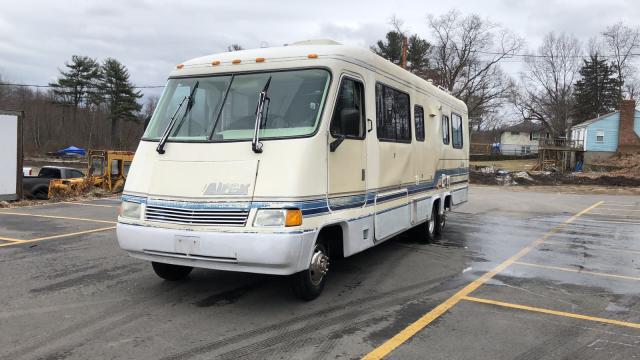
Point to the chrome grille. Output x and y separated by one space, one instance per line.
207 216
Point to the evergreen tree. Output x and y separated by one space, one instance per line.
72 86
597 92
417 51
119 96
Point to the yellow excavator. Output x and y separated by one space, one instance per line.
106 169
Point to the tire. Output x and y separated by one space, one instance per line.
308 284
441 221
171 272
41 193
427 231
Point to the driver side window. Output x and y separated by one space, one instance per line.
348 115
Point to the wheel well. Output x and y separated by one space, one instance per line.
436 204
332 237
447 202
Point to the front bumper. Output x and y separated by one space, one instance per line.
265 253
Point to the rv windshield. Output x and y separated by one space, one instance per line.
229 103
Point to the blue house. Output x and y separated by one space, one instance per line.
602 137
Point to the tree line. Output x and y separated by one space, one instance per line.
562 83
90 105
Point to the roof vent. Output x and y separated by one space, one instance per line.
315 42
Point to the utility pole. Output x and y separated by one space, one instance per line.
405 45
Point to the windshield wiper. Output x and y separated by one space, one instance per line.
256 145
172 121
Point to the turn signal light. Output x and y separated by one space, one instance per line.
236 61
180 66
312 56
293 217
215 62
260 59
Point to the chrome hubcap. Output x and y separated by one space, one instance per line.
319 266
432 225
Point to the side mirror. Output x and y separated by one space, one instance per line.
349 126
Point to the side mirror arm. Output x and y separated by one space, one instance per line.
335 143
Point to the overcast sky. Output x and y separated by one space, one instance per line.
150 37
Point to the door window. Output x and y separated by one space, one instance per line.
348 115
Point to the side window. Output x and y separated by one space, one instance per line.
418 114
456 129
348 115
393 114
445 130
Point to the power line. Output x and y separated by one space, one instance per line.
51 86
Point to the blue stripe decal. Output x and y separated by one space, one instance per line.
311 207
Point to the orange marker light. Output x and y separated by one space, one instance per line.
236 61
260 59
312 56
215 62
180 66
293 217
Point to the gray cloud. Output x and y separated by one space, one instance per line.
150 37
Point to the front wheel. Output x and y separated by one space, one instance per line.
171 272
308 284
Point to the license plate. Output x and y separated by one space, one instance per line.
186 244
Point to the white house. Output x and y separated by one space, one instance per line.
522 138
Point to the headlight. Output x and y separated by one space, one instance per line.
130 210
278 217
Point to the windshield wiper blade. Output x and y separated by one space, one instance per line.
172 121
263 100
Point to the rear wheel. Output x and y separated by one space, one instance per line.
441 220
171 272
308 284
427 231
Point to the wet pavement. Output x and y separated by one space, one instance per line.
517 275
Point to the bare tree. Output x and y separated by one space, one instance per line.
546 89
622 41
466 56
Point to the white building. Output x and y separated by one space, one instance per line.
522 138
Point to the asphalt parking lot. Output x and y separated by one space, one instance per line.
517 275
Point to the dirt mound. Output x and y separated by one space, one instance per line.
623 164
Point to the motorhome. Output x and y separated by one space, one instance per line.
279 160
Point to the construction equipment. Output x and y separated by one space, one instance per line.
106 169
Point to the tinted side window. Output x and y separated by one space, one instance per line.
393 115
456 129
418 114
50 173
75 174
445 130
348 115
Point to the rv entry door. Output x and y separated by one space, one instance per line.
347 148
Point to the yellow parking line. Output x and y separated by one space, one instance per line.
611 222
553 312
87 204
616 209
435 313
578 271
10 239
598 247
58 236
57 217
